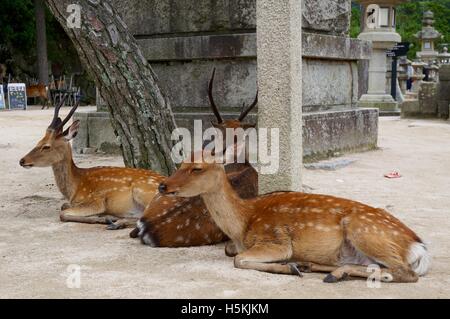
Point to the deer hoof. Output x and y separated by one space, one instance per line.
111 220
295 270
114 226
331 279
134 233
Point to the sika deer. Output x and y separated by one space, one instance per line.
290 232
177 222
120 192
40 91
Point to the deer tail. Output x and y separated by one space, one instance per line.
419 258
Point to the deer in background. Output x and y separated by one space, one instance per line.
176 221
293 232
40 91
120 192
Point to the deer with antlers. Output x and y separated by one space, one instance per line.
177 222
293 232
121 193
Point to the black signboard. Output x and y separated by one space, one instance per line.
17 96
400 49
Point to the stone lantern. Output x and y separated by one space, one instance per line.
444 57
418 75
379 28
433 72
427 36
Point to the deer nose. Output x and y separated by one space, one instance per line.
162 188
22 162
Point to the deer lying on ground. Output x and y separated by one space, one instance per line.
40 91
293 232
177 222
120 192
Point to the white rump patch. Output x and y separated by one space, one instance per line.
140 226
148 240
419 258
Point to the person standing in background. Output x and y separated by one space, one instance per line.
409 81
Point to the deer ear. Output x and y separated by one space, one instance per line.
72 131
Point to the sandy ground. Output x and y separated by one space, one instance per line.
36 249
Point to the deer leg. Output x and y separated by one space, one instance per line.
385 275
85 213
43 102
268 258
312 267
122 223
345 271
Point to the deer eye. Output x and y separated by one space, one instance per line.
196 170
46 147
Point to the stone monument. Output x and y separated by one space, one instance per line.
379 28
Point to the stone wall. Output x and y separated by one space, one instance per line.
426 106
185 40
443 94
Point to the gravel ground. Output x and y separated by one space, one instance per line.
38 252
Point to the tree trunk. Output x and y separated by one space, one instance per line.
41 42
141 115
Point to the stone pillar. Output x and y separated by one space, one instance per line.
444 91
279 45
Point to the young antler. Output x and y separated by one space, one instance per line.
290 232
120 192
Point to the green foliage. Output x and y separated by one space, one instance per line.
409 21
18 39
355 25
17 31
